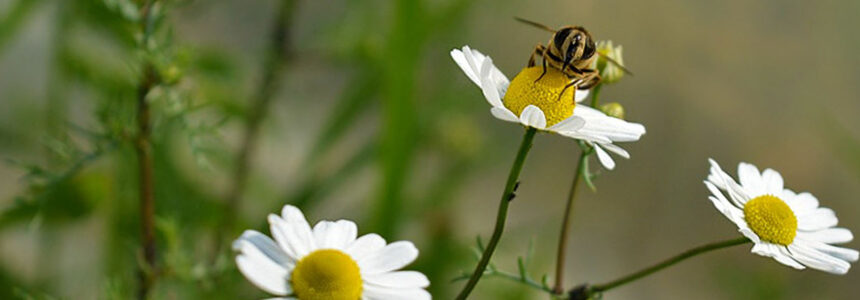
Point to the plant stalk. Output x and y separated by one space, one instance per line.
279 44
666 263
507 196
565 224
143 148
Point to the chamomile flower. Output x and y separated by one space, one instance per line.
787 226
536 103
327 262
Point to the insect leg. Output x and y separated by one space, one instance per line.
572 83
544 70
539 49
590 78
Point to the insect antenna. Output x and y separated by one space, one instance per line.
535 24
614 62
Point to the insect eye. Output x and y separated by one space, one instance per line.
561 36
589 50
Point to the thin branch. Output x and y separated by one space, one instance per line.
143 148
276 57
565 224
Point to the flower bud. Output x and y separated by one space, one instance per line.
609 71
613 109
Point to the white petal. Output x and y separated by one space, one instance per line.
466 62
599 124
573 123
264 274
296 240
784 257
817 260
372 292
747 232
392 257
802 203
504 114
820 218
837 252
588 137
765 249
253 241
617 150
580 95
282 234
335 235
532 116
488 86
736 193
829 235
750 179
604 158
401 279
772 181
365 245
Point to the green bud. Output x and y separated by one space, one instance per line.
613 109
171 74
609 71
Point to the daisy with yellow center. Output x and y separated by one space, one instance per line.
537 104
327 262
785 225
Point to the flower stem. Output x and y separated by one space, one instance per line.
595 96
143 147
275 59
565 225
502 215
666 263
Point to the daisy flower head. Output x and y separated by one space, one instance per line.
546 104
327 262
787 226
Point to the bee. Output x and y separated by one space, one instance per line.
572 51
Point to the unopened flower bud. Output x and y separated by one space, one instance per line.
608 62
613 109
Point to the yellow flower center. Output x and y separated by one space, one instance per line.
524 91
771 219
327 275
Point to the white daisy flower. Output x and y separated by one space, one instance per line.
536 103
327 262
785 225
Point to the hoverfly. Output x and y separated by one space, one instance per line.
572 51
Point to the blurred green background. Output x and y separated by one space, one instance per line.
372 121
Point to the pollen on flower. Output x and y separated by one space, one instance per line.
524 91
771 219
325 275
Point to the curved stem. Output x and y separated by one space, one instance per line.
666 263
565 224
507 196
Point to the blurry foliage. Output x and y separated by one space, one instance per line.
89 168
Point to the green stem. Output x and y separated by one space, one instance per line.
275 59
565 225
595 95
507 196
666 263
